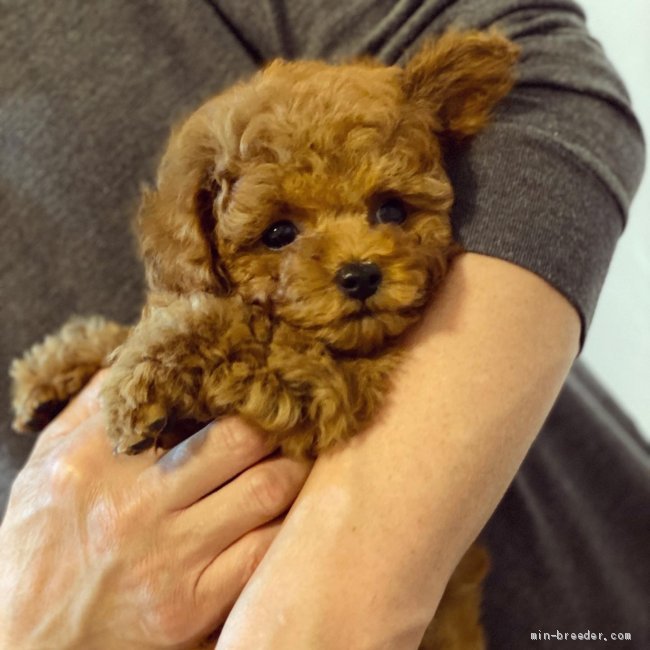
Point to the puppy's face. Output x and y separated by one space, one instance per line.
319 192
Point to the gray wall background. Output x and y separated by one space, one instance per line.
618 346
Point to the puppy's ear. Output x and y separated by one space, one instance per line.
460 77
176 223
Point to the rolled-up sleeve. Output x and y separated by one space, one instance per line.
548 185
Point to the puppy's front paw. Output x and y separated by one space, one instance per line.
41 391
34 412
53 371
136 406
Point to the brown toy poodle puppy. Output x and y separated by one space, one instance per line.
299 225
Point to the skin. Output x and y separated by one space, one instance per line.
405 499
99 551
402 500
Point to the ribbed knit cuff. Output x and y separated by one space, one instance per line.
523 198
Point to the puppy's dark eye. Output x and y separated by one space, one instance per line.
279 234
390 211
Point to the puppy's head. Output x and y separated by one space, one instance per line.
319 192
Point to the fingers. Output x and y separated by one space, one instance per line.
218 586
254 498
206 461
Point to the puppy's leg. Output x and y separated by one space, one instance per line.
306 400
457 623
185 363
51 372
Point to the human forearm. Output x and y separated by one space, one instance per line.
382 522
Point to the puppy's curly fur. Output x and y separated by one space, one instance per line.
299 224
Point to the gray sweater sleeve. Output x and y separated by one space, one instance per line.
548 185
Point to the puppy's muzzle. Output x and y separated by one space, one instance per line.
359 280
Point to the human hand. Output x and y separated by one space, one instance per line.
149 551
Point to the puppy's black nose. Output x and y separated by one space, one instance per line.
359 280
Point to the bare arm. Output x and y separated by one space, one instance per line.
405 499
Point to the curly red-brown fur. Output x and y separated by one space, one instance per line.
232 325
